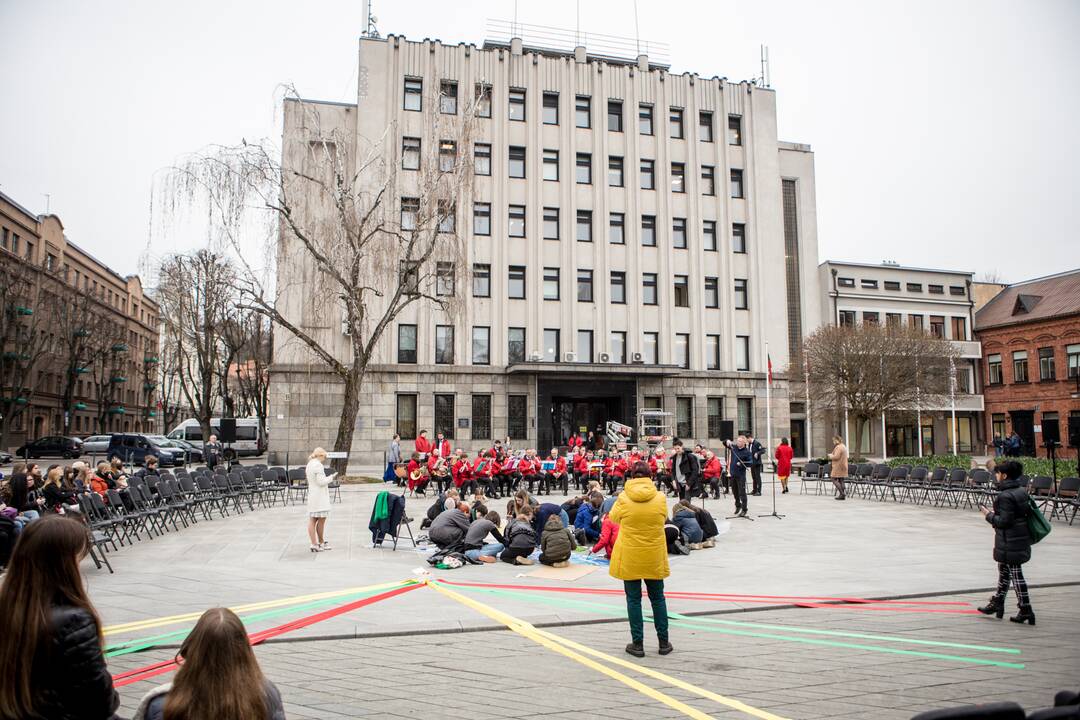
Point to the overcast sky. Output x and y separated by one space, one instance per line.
945 132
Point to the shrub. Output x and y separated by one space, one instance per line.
932 461
1042 466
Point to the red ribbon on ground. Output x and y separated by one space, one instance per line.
145 673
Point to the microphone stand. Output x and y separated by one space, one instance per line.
774 514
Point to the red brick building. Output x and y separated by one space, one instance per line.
1030 334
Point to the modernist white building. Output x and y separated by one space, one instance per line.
941 302
636 239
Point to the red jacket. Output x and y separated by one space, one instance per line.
713 468
620 467
443 448
784 453
423 445
528 466
581 463
609 533
560 466
413 465
461 472
653 464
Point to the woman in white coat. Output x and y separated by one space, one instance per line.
318 499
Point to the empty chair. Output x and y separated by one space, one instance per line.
1041 489
1066 497
955 486
917 484
297 484
811 472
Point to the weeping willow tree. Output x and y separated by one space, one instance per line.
344 239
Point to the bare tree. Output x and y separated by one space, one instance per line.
249 339
333 203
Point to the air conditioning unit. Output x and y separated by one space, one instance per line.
569 357
638 358
536 356
604 357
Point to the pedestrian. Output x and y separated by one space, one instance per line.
784 453
839 470
640 555
318 499
756 451
1012 541
50 634
212 450
740 463
393 459
685 470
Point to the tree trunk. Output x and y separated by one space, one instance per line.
350 407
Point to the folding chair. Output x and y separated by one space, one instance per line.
1067 492
810 470
404 520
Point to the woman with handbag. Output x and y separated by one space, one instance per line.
1012 541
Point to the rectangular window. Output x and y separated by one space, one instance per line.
551 223
481 417
614 115
551 283
682 291
868 284
937 326
957 290
410 153
410 276
936 289
551 108
615 171
410 209
678 177
712 352
481 215
1072 360
708 180
738 237
847 318
737 184
684 417
584 226
583 173
712 292
959 328
482 158
1047 371
515 282
678 233
517 414
517 104
682 350
617 346
584 346
447 217
705 126
675 123
584 286
515 344
714 410
645 119
444 279
892 285
444 415
914 287
997 425
617 228
734 130
444 344
481 280
414 90
516 215
406 416
845 282
650 348
481 345
993 369
583 111
745 416
893 320
648 230
483 100
448 97
648 289
551 165
406 344
742 296
618 287
742 352
648 175
708 231
916 322
870 318
551 344
1020 366
516 166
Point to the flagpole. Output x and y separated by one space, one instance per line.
768 401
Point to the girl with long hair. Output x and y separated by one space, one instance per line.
50 635
218 678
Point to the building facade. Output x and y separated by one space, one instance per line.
938 301
1030 334
636 239
116 392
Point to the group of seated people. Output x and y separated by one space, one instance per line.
556 530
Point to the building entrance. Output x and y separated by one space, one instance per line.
567 405
1023 424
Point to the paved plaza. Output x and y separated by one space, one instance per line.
407 657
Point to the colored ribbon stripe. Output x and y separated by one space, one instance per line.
578 652
145 673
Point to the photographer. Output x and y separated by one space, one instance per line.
741 460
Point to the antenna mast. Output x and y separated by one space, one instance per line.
369 21
765 66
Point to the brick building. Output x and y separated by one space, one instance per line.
1030 335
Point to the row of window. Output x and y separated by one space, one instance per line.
894 286
550 109
1047 365
957 324
584 351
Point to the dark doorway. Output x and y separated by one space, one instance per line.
567 405
1023 424
900 440
798 437
569 415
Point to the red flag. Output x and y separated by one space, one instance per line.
769 358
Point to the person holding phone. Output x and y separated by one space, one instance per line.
1012 541
318 499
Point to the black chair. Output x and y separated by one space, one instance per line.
1041 490
131 521
221 484
935 484
917 483
215 500
297 478
334 487
811 472
980 487
148 505
236 484
104 525
1067 491
879 480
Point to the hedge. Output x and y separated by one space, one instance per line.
1032 466
931 461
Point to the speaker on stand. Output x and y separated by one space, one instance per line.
227 436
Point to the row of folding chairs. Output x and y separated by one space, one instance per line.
295 479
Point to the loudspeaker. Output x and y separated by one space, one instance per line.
227 430
727 429
1074 431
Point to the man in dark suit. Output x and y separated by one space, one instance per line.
756 451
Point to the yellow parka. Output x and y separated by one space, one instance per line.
641 551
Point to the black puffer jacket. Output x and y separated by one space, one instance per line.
1012 542
71 677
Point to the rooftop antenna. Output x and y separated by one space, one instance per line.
47 199
637 31
513 30
369 21
577 29
765 66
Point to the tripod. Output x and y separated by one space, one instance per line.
774 514
743 515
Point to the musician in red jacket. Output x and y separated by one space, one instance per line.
784 453
660 465
711 471
418 475
442 445
511 470
485 469
580 466
556 476
423 445
439 469
461 471
616 473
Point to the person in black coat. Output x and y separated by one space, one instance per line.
685 471
756 451
1012 541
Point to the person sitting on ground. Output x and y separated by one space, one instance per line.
218 678
476 545
543 512
570 507
587 520
609 533
556 543
521 499
449 528
684 517
520 538
709 531
446 501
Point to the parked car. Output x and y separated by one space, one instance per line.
134 447
51 446
194 454
6 457
96 444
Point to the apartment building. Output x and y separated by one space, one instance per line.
636 239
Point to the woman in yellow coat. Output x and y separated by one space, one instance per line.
640 553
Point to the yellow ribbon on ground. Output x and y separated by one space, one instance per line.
186 617
568 647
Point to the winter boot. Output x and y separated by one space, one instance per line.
1026 614
996 606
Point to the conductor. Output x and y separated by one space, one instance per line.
741 460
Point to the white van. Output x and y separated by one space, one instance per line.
247 434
